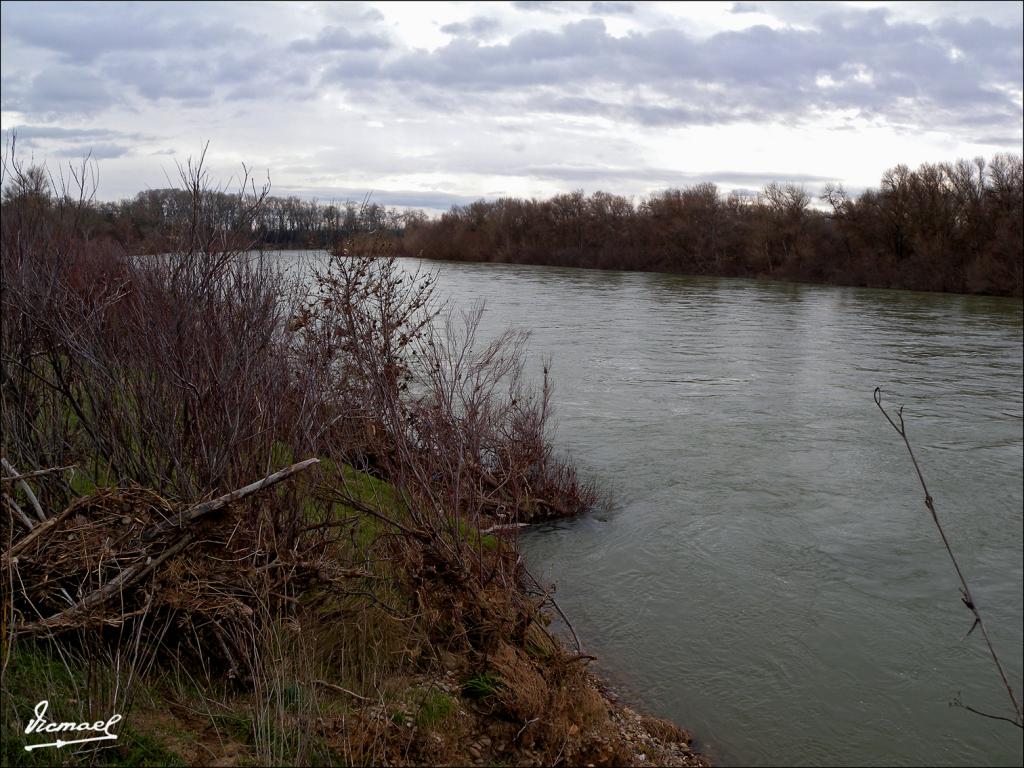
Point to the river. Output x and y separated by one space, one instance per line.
768 576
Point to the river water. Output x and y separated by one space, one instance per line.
768 576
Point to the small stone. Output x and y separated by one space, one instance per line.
474 752
485 741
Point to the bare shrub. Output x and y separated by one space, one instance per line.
166 379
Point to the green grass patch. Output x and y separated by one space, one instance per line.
436 707
471 534
482 685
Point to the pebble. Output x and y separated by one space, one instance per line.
485 741
474 752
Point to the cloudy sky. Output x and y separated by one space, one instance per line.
430 104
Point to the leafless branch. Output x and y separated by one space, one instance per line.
965 592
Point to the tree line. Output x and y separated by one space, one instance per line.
144 223
281 222
953 227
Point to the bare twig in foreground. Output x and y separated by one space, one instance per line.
965 591
27 489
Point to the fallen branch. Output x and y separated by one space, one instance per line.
350 501
547 597
965 592
504 527
204 508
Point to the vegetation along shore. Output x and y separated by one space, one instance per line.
953 227
269 524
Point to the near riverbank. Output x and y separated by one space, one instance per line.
499 700
256 522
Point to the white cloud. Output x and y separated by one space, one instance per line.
447 101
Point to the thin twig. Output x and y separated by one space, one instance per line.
966 597
18 512
27 489
339 689
958 703
35 473
21 544
549 598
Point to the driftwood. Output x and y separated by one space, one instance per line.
339 689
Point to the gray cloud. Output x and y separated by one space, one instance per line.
76 143
543 6
326 72
32 132
96 151
339 39
431 199
56 90
81 33
951 73
907 73
1006 143
611 8
477 26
